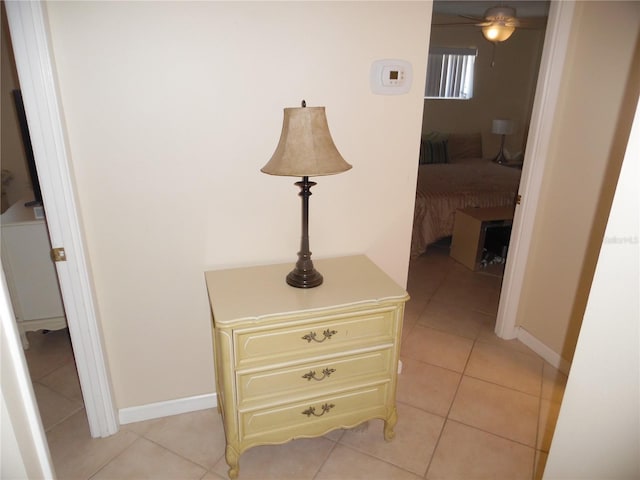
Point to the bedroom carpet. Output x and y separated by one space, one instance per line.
470 406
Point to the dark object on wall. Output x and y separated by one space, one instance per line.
28 149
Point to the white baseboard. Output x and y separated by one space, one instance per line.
544 351
168 408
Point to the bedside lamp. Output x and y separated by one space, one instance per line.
501 127
305 150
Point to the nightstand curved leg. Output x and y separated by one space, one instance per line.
389 425
233 460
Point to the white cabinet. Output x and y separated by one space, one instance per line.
30 272
293 362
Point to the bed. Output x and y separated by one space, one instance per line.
443 188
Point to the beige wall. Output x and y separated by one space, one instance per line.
171 111
12 156
505 90
596 435
594 113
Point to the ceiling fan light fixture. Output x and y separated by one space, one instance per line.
497 32
497 13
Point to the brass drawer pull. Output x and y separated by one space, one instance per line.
325 373
311 336
312 410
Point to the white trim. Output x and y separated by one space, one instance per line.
170 407
15 371
542 121
29 37
545 352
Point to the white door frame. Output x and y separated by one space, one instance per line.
539 139
32 51
24 443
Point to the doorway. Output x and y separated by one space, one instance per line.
554 53
505 78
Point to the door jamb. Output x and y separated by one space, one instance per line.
34 62
548 87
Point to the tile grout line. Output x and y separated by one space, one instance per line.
539 396
366 454
178 454
459 422
537 441
111 459
462 374
331 450
74 400
446 418
75 410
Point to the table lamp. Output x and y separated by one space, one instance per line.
501 127
305 150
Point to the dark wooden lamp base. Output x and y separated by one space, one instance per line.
304 275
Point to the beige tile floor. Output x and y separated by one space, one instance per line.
471 406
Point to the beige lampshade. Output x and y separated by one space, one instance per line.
502 126
306 148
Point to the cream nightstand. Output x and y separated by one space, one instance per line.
294 363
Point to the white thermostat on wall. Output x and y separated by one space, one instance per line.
391 77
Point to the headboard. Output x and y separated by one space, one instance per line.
437 147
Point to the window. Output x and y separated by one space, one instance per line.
450 73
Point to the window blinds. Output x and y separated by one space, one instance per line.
450 73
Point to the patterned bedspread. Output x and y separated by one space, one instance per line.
444 188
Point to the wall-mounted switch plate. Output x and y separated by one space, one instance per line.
391 77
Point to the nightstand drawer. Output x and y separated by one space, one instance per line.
315 416
310 379
321 336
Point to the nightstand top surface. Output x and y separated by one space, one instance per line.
261 291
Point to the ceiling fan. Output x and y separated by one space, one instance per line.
498 23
